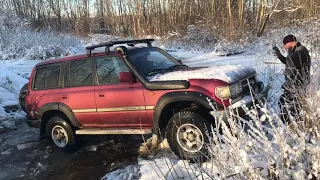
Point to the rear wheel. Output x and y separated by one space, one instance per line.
62 134
187 137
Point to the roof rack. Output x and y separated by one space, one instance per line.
111 43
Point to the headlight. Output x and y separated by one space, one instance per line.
236 89
223 92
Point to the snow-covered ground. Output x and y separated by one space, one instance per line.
13 75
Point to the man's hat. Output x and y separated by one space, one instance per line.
289 38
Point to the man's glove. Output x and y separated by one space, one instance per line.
276 51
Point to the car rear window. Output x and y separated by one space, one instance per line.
47 77
78 73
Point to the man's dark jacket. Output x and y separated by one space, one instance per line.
297 71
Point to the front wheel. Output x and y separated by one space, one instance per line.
62 134
187 137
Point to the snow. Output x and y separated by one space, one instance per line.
7 152
156 169
162 168
171 169
7 124
13 75
128 173
19 40
92 148
11 81
227 73
21 67
243 101
27 145
7 98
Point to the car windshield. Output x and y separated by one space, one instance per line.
150 61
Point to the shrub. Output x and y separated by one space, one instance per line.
18 41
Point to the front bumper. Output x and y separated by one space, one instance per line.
248 100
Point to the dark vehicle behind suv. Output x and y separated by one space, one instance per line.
123 92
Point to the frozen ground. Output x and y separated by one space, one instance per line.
23 157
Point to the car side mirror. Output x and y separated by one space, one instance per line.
126 77
179 61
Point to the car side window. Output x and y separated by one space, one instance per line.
108 69
78 73
47 77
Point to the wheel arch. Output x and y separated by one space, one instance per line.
173 102
56 109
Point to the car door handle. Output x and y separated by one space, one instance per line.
101 95
64 97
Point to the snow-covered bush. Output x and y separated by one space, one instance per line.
264 148
102 38
260 146
198 37
203 38
17 40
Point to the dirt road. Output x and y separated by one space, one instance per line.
41 160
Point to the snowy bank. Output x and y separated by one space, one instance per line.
13 75
10 85
11 81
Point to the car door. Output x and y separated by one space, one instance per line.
118 104
78 92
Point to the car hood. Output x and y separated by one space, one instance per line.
226 73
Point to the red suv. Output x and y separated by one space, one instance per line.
131 90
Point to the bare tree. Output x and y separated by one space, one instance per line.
144 17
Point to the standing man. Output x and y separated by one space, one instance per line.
297 75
